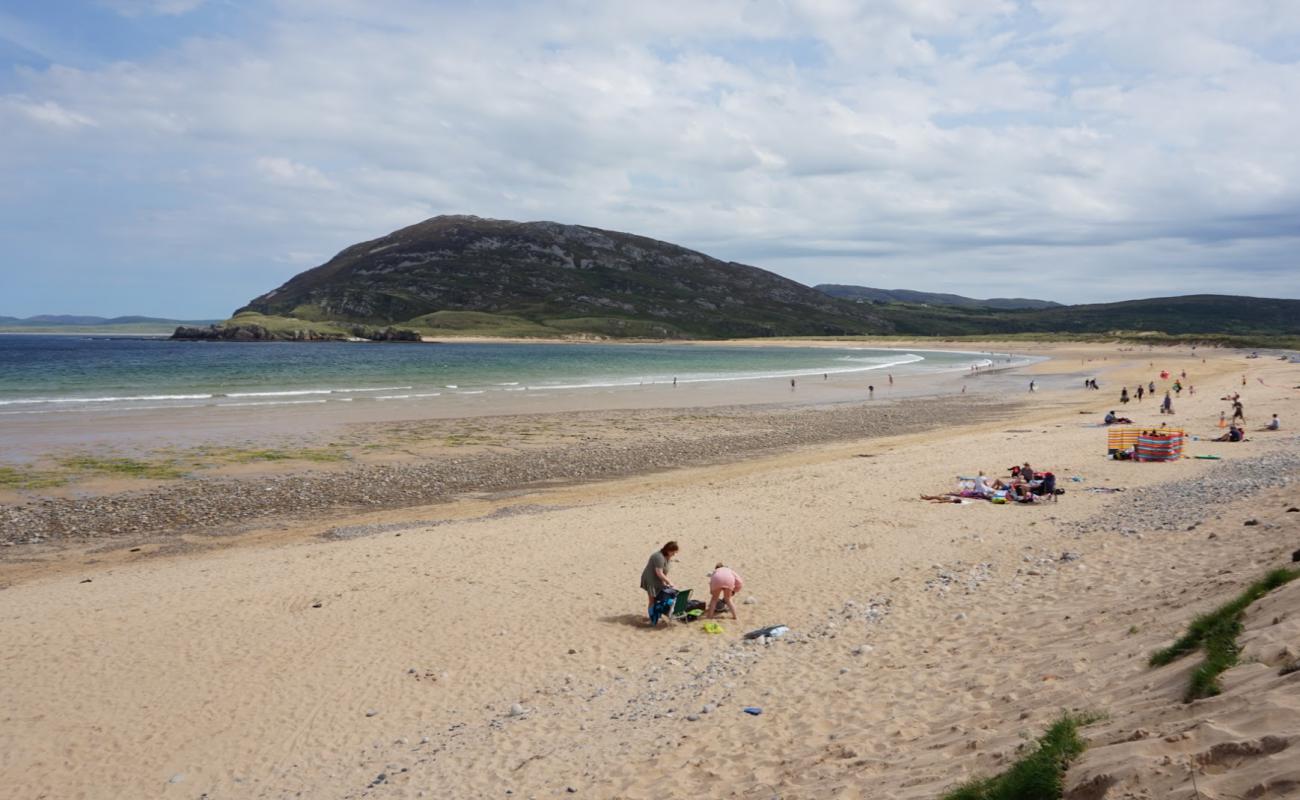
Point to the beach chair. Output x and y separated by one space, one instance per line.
683 600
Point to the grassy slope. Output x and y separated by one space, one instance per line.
1037 776
1217 632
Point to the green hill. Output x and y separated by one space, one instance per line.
543 278
858 293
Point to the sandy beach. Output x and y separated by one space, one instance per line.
455 612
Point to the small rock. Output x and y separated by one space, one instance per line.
692 717
177 778
708 708
1251 522
862 649
750 600
370 712
517 710
961 615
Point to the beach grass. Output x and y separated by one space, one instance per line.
1216 632
14 478
1040 774
248 456
121 467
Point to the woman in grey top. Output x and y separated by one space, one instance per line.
654 578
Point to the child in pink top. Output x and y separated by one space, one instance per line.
726 584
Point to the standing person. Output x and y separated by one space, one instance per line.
1140 391
1167 407
1031 386
724 583
654 578
1123 395
1151 387
871 392
1238 412
674 381
891 379
792 384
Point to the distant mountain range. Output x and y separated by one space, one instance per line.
866 293
461 275
56 323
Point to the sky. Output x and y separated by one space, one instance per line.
179 157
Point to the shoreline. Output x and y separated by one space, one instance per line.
496 641
651 440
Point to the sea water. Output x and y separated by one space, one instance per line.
68 374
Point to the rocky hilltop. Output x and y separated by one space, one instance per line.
467 274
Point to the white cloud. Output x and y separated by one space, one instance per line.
46 112
946 143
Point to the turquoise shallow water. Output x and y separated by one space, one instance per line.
48 374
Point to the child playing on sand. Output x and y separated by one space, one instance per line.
724 583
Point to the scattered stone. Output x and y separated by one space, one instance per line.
708 708
1069 556
177 778
692 717
1251 522
862 649
370 712
750 600
316 605
517 710
961 615
86 580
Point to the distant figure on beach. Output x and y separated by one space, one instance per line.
1123 395
1273 425
792 384
1234 434
654 578
674 381
891 379
1238 412
825 377
1151 387
1243 380
1167 407
724 584
1031 386
871 392
963 388
1140 391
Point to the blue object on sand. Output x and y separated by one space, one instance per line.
753 711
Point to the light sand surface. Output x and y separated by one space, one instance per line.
928 641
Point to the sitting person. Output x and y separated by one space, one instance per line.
1273 425
1111 419
724 584
982 486
1234 434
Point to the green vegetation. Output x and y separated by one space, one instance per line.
13 478
237 456
1217 633
277 324
476 323
1040 774
122 467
